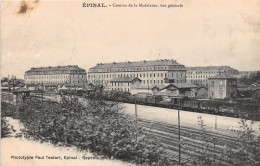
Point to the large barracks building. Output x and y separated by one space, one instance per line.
51 76
145 73
199 75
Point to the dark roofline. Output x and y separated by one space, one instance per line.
116 64
54 68
210 68
124 79
202 87
178 87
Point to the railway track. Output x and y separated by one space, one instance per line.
191 146
186 131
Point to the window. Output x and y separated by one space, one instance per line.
212 83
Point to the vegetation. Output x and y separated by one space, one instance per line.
246 150
101 128
252 78
4 128
7 110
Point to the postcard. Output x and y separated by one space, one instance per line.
130 82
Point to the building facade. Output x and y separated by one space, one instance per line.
149 72
202 92
222 86
176 89
199 75
125 84
51 76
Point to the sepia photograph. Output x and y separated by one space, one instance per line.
130 83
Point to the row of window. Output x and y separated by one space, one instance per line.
121 89
53 77
213 72
36 82
118 83
45 77
51 81
198 76
137 69
194 81
56 72
143 82
135 75
221 83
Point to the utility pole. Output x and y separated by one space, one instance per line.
179 132
148 85
216 122
42 91
136 120
9 88
13 81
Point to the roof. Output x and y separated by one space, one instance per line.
184 85
174 86
160 86
143 63
55 68
210 68
222 76
124 79
202 87
21 90
143 87
5 84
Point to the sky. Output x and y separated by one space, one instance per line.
202 33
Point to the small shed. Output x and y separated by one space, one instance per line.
202 92
20 94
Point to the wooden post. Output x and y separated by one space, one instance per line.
136 119
13 82
42 91
216 122
179 132
9 88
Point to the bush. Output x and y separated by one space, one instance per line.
100 127
4 128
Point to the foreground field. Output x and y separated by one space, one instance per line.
14 146
99 125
